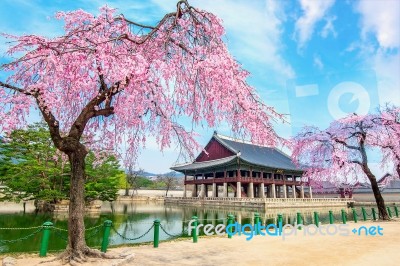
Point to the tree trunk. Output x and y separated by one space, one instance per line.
377 194
372 179
126 187
76 226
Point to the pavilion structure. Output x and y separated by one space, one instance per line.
250 171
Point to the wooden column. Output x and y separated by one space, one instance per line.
294 191
225 190
284 191
250 190
261 191
194 191
214 190
273 190
238 190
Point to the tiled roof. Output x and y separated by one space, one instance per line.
259 155
205 164
247 152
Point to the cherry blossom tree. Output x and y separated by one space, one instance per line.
339 154
118 81
386 136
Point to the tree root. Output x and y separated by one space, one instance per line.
76 257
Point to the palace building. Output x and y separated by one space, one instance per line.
250 171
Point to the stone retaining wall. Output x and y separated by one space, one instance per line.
260 203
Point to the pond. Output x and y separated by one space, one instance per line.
131 220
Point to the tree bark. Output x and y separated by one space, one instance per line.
76 226
377 194
372 179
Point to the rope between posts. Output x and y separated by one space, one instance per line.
178 235
57 231
131 239
95 232
132 223
324 220
358 214
94 227
20 228
21 238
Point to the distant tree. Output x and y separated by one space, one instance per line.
168 182
32 168
133 179
102 178
338 154
119 81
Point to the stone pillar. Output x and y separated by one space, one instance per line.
273 190
261 191
194 191
284 191
225 190
294 191
310 193
184 191
214 190
302 192
238 190
250 190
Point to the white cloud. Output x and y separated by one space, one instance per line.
381 18
329 28
317 62
313 11
387 67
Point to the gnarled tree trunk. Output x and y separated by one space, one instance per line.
378 198
372 179
76 226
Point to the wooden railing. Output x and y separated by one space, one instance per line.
261 199
254 180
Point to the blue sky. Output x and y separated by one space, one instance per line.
313 60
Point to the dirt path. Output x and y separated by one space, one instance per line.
267 250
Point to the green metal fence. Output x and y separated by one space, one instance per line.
47 229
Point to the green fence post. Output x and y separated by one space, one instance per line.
156 232
330 217
364 213
316 219
354 215
45 238
343 216
396 211
106 234
230 221
256 221
299 221
194 230
373 214
389 211
280 219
